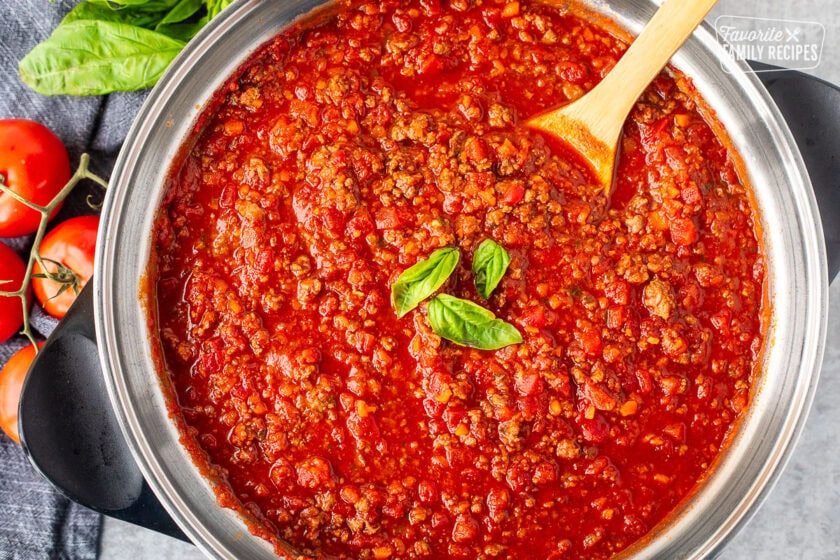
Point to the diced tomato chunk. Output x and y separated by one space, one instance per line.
534 317
389 218
513 193
595 430
590 341
683 231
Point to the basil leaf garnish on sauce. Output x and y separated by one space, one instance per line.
421 280
468 324
490 262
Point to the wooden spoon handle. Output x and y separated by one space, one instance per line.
615 96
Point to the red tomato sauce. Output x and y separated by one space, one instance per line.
350 148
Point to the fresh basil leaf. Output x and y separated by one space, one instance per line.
181 11
138 16
92 57
421 280
214 7
468 324
151 5
490 262
181 31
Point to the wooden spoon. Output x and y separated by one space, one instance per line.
592 124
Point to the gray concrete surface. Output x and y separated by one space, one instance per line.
801 517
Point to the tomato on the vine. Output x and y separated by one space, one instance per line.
12 377
12 272
34 164
67 252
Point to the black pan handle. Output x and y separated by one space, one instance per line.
70 433
811 108
68 426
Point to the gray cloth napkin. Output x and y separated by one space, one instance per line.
36 522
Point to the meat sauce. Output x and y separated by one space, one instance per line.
350 148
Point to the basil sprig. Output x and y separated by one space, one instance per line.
103 46
468 324
490 262
422 280
458 320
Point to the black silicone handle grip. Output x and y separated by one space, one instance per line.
70 433
811 108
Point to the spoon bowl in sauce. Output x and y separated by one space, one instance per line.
592 124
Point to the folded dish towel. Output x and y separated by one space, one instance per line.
36 522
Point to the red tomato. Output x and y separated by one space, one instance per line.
71 243
11 381
12 269
34 164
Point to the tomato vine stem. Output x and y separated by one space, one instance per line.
82 172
